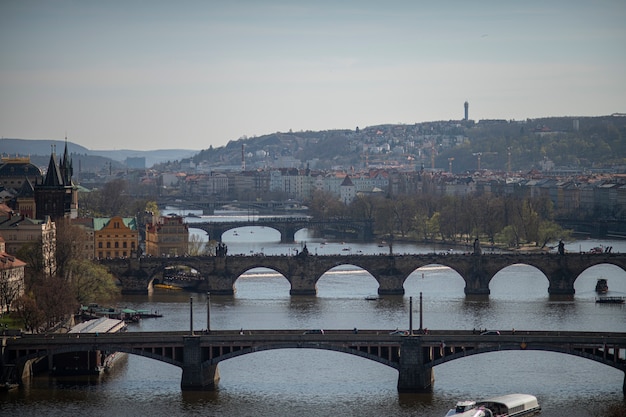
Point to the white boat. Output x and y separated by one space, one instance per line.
469 409
510 405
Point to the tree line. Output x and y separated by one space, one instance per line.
506 221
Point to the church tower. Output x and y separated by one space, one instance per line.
57 196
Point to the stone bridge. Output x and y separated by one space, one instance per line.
288 226
390 271
413 355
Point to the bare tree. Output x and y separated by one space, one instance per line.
10 289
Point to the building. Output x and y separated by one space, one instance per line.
115 237
167 236
347 191
15 171
11 278
57 196
19 231
86 245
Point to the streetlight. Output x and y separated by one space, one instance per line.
411 316
191 315
208 312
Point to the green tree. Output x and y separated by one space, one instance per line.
434 226
550 231
91 282
153 207
196 246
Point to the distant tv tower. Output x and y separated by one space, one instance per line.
243 158
466 105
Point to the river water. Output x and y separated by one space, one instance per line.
306 382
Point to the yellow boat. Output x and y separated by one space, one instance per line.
167 287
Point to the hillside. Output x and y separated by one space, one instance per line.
562 142
90 160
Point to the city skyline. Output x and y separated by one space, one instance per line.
159 75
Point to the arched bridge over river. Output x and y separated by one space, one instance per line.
218 274
288 226
414 356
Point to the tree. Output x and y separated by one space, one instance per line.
153 207
9 289
55 300
196 245
324 205
91 282
550 231
403 210
31 253
29 312
70 242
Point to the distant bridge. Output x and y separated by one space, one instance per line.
208 206
288 226
390 271
414 356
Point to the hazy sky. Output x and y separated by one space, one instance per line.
189 74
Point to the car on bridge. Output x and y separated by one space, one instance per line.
315 331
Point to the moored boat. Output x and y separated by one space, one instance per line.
602 286
610 300
469 409
510 405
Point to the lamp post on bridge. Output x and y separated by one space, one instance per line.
208 312
421 330
191 316
411 316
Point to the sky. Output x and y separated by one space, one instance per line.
185 74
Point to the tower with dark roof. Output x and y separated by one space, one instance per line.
57 196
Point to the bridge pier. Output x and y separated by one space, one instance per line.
197 375
287 234
413 375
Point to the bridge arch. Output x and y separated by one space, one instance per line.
615 274
434 278
360 281
462 353
22 360
274 280
240 233
513 279
390 361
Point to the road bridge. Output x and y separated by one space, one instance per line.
413 355
288 226
208 206
219 274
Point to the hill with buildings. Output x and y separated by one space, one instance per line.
574 143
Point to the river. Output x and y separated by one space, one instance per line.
304 382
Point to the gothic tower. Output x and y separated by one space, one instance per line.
57 196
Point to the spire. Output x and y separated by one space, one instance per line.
53 175
66 166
